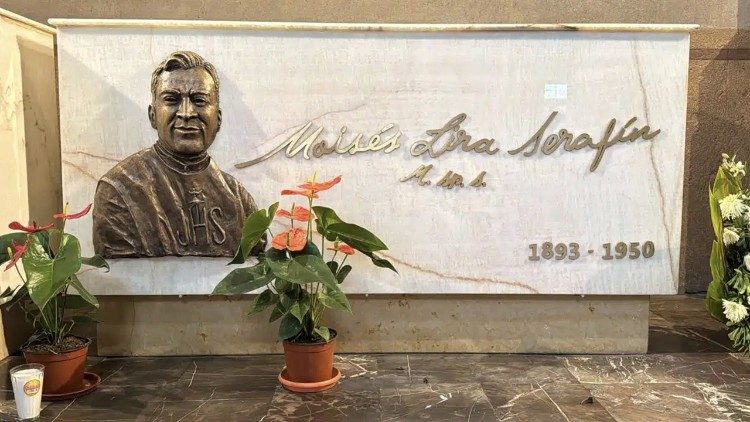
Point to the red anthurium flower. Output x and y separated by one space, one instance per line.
319 187
308 193
33 228
298 213
19 251
342 247
294 240
65 216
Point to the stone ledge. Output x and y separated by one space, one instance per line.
199 325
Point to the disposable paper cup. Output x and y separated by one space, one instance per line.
27 389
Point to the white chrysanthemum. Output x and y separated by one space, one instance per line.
747 261
730 236
735 312
736 169
731 206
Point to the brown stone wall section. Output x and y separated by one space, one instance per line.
719 86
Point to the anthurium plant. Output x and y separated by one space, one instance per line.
728 296
301 278
51 259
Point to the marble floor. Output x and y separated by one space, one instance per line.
689 374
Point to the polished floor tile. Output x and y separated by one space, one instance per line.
689 374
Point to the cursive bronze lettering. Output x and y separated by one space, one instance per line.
307 140
448 138
478 181
420 173
450 180
571 143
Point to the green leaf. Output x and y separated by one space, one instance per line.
303 269
272 210
334 299
716 220
716 292
76 302
46 277
6 241
95 261
324 217
309 249
290 326
85 294
282 285
333 265
83 319
716 262
357 237
276 313
304 303
253 229
263 301
244 280
323 332
341 275
381 262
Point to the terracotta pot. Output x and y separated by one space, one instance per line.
63 372
309 362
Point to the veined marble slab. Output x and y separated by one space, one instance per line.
460 240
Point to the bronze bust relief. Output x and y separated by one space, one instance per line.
171 199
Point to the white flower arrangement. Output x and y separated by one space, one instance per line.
730 236
736 169
728 296
732 206
735 312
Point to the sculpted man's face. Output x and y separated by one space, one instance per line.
185 111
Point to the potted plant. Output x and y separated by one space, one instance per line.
301 279
51 258
728 296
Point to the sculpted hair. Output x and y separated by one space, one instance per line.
183 60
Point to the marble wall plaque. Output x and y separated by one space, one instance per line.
460 240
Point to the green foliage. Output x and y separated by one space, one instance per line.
263 301
45 276
730 279
244 280
6 241
50 263
95 261
740 337
300 285
253 229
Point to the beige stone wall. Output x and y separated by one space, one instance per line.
30 159
718 120
384 323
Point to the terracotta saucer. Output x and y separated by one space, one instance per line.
90 382
309 387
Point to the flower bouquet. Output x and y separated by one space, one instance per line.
728 295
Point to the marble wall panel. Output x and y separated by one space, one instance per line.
463 240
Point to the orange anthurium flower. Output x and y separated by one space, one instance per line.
294 240
19 251
318 187
343 248
298 213
65 216
33 228
308 193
